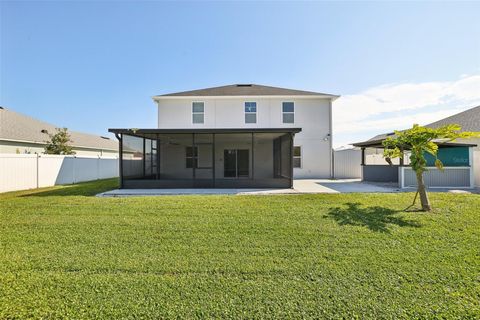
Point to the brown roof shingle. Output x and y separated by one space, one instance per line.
245 90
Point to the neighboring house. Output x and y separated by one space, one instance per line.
242 135
461 158
470 121
23 134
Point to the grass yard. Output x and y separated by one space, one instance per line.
67 254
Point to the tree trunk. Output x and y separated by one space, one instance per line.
423 192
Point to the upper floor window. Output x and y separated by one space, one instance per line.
297 156
198 112
288 112
250 112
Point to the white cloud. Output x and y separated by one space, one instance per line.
397 106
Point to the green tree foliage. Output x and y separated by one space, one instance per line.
59 143
421 140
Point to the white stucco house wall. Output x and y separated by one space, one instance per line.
253 106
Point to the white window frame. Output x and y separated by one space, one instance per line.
292 113
245 112
298 157
202 113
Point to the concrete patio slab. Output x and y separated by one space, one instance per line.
300 186
342 186
209 191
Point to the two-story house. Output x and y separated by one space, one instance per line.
234 136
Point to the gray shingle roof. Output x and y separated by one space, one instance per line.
382 136
18 127
469 120
245 90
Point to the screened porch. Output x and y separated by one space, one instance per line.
206 158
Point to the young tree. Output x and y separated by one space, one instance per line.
59 142
421 140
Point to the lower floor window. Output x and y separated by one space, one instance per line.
191 156
297 157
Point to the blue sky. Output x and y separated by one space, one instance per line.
94 65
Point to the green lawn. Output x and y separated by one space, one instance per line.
67 254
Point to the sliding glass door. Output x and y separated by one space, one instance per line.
236 163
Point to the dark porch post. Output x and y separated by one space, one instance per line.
253 157
158 158
120 159
213 159
195 159
363 156
144 158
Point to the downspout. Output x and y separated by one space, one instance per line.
333 165
292 135
331 140
158 111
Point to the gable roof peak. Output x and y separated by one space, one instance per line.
245 89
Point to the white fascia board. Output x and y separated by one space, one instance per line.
23 141
332 97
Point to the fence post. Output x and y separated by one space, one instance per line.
402 177
74 159
38 170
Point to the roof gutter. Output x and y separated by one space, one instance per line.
45 143
137 132
378 144
326 96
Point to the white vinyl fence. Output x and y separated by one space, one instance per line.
449 177
347 163
29 171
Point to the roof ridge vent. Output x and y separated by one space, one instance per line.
244 85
